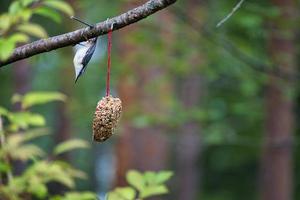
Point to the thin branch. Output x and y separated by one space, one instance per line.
231 13
80 35
233 50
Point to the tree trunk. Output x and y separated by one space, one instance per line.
276 174
188 169
189 145
141 148
144 148
22 76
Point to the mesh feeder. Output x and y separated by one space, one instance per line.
107 115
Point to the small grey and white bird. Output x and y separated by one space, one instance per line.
83 55
84 52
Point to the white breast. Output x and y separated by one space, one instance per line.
80 53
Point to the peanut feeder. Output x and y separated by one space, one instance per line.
107 115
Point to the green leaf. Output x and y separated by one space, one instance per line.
5 22
81 196
40 191
16 98
113 196
36 120
77 173
126 193
33 29
70 145
60 5
3 111
15 7
4 167
135 179
37 188
34 133
150 177
17 185
64 179
49 13
19 38
6 48
35 98
14 140
48 172
25 119
153 190
17 139
26 3
25 14
74 173
163 176
76 196
26 152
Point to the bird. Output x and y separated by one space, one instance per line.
83 55
84 52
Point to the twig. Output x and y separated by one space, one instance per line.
80 35
231 13
233 50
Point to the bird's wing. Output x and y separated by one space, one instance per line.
87 57
89 54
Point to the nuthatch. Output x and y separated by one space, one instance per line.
84 53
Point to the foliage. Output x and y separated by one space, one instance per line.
230 110
35 98
143 185
70 145
41 169
16 26
76 196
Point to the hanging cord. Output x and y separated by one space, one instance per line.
109 35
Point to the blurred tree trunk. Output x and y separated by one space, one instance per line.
188 151
22 79
276 174
63 122
188 171
143 92
62 119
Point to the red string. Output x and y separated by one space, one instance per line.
109 35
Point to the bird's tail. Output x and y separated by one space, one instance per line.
77 79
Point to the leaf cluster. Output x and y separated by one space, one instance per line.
42 169
16 26
142 185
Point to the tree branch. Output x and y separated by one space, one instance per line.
233 50
80 35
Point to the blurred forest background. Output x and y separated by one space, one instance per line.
217 106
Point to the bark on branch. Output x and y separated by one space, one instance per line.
80 35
